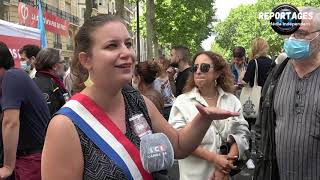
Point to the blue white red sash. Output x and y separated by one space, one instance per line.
106 135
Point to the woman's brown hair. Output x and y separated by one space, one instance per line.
259 47
147 70
164 64
225 80
83 43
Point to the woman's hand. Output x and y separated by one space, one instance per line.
171 72
239 86
224 163
242 72
213 113
218 175
5 172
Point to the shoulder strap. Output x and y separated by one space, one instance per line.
255 83
275 73
280 68
268 97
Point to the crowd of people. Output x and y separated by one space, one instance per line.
87 121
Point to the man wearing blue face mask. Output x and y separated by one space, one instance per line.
288 126
28 54
297 47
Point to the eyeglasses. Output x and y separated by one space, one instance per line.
300 34
204 67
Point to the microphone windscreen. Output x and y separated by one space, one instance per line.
156 152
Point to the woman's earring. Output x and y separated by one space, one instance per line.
88 82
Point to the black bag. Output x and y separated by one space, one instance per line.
161 175
224 150
266 168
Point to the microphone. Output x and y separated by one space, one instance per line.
156 152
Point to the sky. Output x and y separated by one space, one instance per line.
223 9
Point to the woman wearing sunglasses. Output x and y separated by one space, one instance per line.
211 84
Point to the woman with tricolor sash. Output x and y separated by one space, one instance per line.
96 134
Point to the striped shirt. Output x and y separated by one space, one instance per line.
297 133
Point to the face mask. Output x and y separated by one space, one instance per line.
25 66
298 49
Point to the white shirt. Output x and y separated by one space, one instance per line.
32 73
281 58
183 111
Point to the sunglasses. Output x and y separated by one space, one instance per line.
204 67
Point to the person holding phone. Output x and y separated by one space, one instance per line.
238 68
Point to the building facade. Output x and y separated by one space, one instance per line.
99 7
65 11
71 14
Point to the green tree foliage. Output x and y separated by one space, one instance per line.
243 25
217 49
185 22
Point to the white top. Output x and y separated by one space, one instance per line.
281 58
32 73
164 88
184 110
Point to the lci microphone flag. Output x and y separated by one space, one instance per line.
156 152
43 37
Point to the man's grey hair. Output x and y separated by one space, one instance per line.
315 14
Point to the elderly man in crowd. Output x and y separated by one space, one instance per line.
288 127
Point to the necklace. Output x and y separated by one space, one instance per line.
209 98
